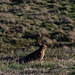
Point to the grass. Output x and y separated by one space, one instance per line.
35 17
6 67
29 65
56 60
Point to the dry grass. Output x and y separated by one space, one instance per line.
4 1
7 18
23 23
56 61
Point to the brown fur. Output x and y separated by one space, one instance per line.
36 55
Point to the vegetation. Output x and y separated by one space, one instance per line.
23 22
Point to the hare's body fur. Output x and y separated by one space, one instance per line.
36 55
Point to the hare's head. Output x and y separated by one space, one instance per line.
42 46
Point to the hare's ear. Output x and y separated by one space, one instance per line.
39 42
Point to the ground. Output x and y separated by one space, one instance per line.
23 22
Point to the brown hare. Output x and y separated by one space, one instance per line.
36 55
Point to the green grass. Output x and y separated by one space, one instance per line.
34 16
57 60
15 66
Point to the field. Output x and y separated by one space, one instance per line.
57 61
23 22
